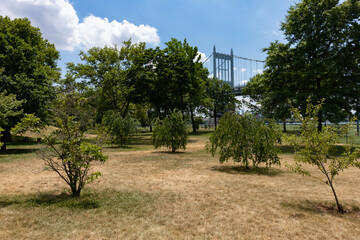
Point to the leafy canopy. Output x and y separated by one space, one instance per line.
28 65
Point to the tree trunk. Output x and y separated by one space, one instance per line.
75 192
126 109
357 125
193 121
215 113
6 137
339 207
284 124
320 123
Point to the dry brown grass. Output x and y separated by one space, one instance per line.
156 195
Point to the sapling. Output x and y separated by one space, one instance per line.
315 147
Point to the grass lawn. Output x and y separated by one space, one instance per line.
152 194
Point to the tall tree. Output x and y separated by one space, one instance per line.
178 80
318 33
320 60
28 66
273 89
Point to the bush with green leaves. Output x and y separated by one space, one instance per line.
66 150
315 147
245 138
171 132
122 129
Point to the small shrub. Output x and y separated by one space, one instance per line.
245 138
315 147
122 129
170 132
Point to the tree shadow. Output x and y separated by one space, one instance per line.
46 200
247 171
170 152
202 132
316 207
13 151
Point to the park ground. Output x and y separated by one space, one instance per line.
152 194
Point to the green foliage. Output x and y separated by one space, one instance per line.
314 147
123 129
320 59
112 78
272 89
9 107
178 80
170 132
28 66
221 98
67 151
245 138
198 120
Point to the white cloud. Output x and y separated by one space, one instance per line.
59 23
243 69
203 56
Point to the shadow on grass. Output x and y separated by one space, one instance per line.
315 207
170 152
201 133
45 200
13 151
108 200
247 171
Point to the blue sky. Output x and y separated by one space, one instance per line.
247 26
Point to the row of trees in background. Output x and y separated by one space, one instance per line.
131 83
320 60
149 83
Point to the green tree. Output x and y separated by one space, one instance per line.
170 132
28 67
123 129
245 138
178 80
221 98
272 90
314 147
320 58
112 78
9 108
73 158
